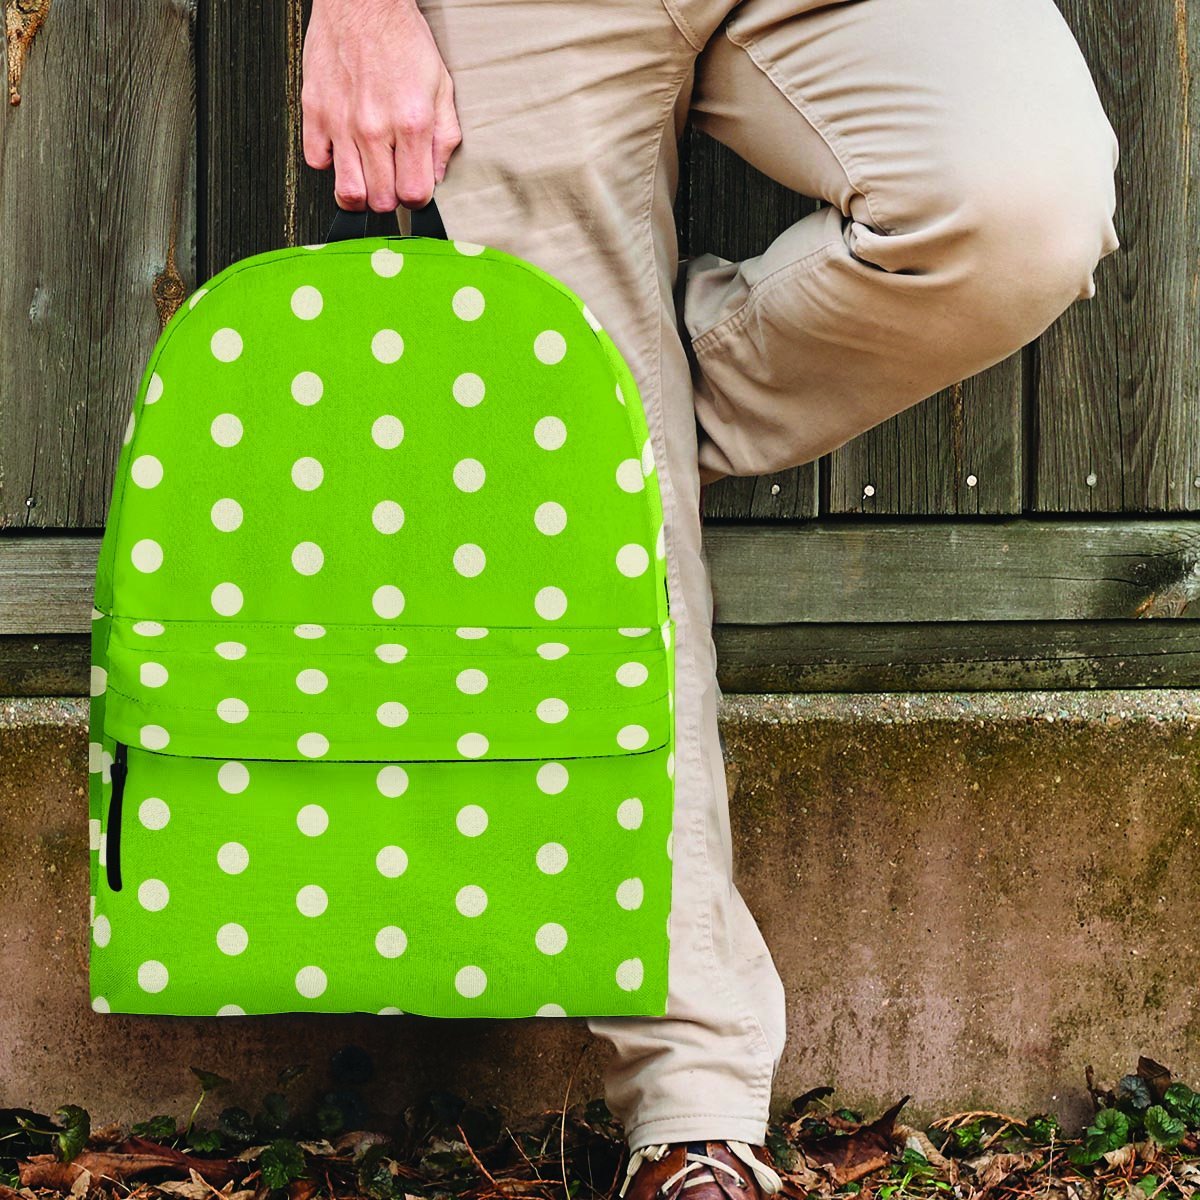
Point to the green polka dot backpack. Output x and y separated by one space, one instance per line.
382 657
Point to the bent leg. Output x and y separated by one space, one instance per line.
968 165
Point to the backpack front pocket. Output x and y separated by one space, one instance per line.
525 874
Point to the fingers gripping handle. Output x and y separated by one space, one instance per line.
426 222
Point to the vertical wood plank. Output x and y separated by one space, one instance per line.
1118 403
97 244
258 193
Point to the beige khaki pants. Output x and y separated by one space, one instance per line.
968 169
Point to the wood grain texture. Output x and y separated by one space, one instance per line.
1118 397
257 192
96 202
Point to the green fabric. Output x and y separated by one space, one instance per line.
381 622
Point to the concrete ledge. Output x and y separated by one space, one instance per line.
969 895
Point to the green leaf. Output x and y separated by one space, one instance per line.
1166 1130
237 1125
1134 1093
77 1127
1109 1130
206 1141
1148 1184
1043 1128
157 1129
967 1137
281 1162
209 1080
1180 1101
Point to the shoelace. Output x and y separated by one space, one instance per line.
768 1179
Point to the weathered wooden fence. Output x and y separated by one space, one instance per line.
1018 530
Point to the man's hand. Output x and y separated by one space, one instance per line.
378 103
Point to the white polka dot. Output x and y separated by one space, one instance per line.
233 710
632 737
231 650
148 628
472 745
307 473
391 941
550 603
647 457
389 1010
472 820
591 318
552 710
620 395
660 543
147 555
154 813
551 938
469 475
552 858
549 346
391 652
630 893
634 631
308 558
387 516
233 858
312 900
553 650
468 303
95 753
551 1010
469 560
309 632
154 389
391 861
391 714
469 248
470 982
312 745
386 262
226 429
387 346
152 674
387 432
550 517
471 632
666 634
233 777
146 471
392 781
231 1010
307 388
153 895
100 1005
552 778
154 737
629 475
311 982
632 674
94 833
196 297
632 560
670 842
152 976
550 433
307 302
468 389
312 682
470 900
226 515
388 601
312 820
226 345
98 681
101 930
471 681
629 975
629 814
129 425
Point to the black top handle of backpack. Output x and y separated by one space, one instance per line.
426 222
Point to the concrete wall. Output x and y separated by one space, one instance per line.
969 896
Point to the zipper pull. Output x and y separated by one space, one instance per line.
112 851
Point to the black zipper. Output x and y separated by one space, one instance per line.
112 846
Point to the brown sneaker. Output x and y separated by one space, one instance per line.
715 1170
